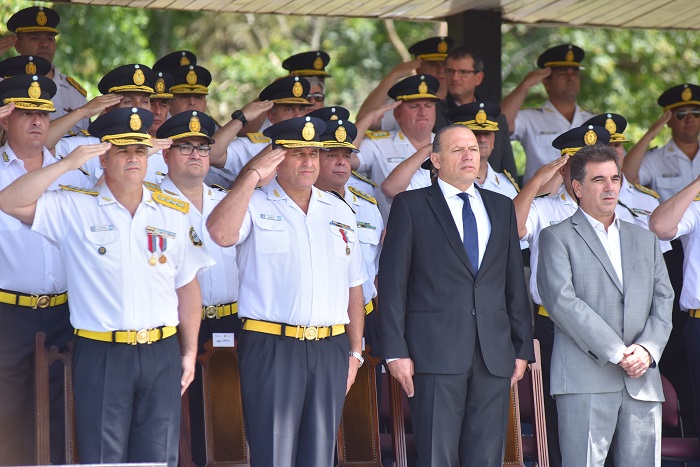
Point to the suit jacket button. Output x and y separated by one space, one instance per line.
474 311
622 301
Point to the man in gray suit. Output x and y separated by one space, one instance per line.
605 286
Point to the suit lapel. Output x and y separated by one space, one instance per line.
496 226
585 229
437 202
627 248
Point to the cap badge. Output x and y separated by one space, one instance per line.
139 77
569 56
340 134
687 94
160 85
30 68
610 126
480 117
194 124
308 132
318 63
191 77
334 117
41 18
184 61
422 88
298 90
135 122
442 47
590 138
34 90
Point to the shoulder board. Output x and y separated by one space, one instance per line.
77 86
697 198
364 179
79 190
377 134
219 187
171 202
85 132
646 190
337 195
258 138
634 214
152 186
543 195
362 195
512 180
70 133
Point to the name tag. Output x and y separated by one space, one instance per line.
270 217
395 160
222 339
101 228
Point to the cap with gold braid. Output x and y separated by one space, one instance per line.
433 49
677 96
339 134
28 92
164 81
190 79
134 77
290 90
331 113
175 60
308 64
34 19
572 141
123 127
188 124
614 123
299 132
24 65
415 87
477 116
566 55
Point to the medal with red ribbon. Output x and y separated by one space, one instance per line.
151 247
345 239
157 240
163 246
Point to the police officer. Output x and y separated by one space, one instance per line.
312 66
35 34
191 82
300 295
134 254
160 100
33 283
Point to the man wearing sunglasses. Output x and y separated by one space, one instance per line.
669 168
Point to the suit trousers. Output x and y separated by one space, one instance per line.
591 425
460 420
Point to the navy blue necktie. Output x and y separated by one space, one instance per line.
471 234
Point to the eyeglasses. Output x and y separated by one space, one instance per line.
316 96
188 149
681 114
452 71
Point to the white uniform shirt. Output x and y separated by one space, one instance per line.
219 283
240 151
642 205
67 99
690 227
380 156
498 182
361 182
537 128
111 284
293 266
30 264
667 170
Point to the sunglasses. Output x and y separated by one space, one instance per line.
681 114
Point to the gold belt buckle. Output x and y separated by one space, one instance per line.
142 336
311 333
42 301
210 312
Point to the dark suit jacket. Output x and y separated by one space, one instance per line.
431 305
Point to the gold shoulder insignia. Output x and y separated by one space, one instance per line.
543 195
77 86
697 198
5 157
71 133
85 132
363 178
171 202
512 180
79 190
362 195
152 186
258 138
377 134
219 187
337 195
646 190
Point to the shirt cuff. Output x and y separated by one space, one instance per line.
617 356
389 360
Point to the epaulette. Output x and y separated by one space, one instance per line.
258 138
362 195
377 134
5 157
70 133
152 186
697 198
84 191
363 178
543 195
85 132
219 187
77 86
337 195
171 202
647 191
512 180
634 214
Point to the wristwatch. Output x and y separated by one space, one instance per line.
238 115
358 356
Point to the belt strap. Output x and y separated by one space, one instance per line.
694 313
369 307
542 312
298 332
142 336
219 311
33 301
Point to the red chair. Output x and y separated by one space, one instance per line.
675 449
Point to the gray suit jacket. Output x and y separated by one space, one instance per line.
593 314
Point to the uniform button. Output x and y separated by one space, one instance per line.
474 311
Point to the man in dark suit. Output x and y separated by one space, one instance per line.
455 320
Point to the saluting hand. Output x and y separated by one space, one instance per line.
159 144
97 105
547 171
265 164
254 109
536 76
402 370
80 155
6 42
7 109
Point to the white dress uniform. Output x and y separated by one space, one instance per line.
241 150
106 253
69 96
380 153
156 170
641 201
690 227
30 263
303 258
667 170
537 128
498 182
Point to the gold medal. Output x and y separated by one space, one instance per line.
152 260
162 259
